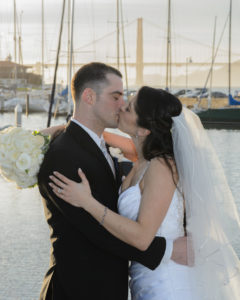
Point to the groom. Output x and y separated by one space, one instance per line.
86 261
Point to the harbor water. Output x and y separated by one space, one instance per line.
24 234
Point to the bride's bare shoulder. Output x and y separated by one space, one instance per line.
160 167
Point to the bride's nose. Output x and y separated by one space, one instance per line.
123 108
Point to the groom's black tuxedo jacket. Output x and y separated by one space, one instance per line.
87 262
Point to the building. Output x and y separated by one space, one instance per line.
13 74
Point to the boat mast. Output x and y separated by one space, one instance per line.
229 49
139 56
56 66
118 36
42 43
168 67
213 56
20 57
124 47
70 49
69 42
15 31
15 42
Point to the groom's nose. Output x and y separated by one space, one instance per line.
121 102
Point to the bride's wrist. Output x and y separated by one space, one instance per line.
90 204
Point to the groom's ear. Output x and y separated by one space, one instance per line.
88 96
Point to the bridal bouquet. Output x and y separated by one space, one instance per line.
21 154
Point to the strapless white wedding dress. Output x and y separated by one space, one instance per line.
169 281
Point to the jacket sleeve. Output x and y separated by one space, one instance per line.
85 223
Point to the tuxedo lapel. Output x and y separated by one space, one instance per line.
85 141
117 171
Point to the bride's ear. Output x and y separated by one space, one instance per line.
143 132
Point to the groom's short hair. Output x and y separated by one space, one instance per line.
92 75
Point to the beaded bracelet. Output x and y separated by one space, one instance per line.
104 215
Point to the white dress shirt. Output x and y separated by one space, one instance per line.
100 142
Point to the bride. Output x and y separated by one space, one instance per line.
177 180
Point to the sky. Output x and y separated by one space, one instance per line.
192 29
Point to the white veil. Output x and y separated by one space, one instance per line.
212 219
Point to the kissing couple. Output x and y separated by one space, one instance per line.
169 217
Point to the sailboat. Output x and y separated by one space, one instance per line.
225 117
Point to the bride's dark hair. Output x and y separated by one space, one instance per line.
155 109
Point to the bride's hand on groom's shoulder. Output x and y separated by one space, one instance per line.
77 194
53 131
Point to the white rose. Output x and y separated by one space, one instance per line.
32 181
38 141
12 154
21 184
23 162
7 173
5 139
24 144
26 182
9 135
35 153
2 155
1 139
19 176
20 156
40 158
12 130
33 170
18 143
7 166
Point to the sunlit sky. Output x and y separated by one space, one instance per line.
192 29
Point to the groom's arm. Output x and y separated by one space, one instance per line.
85 223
